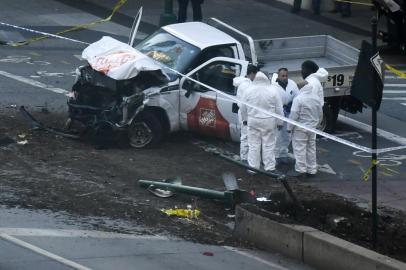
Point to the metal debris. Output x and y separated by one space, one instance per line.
263 199
24 142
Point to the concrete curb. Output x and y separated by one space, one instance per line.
311 246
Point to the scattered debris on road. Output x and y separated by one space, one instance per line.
185 213
35 125
24 142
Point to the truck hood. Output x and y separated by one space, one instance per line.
118 60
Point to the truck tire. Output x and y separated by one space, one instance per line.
145 131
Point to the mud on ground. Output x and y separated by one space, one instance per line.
59 174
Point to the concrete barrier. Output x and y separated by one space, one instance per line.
270 235
324 251
311 246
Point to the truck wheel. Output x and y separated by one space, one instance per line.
145 131
329 119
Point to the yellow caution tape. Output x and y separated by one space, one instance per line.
395 71
119 4
377 163
185 213
356 3
369 171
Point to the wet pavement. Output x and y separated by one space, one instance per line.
45 240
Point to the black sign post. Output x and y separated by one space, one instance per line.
367 86
374 24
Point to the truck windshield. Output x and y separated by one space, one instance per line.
169 50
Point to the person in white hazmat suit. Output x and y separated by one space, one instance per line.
307 110
315 76
242 84
287 89
262 127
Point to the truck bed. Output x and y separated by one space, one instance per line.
327 51
294 64
337 57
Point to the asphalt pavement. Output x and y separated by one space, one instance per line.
47 240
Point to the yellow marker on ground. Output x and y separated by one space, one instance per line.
185 213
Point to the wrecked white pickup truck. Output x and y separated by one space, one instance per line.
160 101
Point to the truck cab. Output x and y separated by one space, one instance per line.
205 54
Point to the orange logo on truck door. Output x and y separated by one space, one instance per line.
206 119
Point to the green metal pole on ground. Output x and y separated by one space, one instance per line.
168 17
225 196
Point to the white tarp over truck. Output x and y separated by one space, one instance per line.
117 60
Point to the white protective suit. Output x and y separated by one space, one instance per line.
242 85
287 95
306 109
261 126
315 80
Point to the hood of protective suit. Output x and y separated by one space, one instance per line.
307 89
321 74
262 97
237 81
274 77
306 108
261 78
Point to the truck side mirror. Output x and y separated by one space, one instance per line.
188 86
187 94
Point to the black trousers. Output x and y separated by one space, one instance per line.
197 10
344 8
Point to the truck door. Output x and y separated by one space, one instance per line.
210 111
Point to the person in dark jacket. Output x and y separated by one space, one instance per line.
197 10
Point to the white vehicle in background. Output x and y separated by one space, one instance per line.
214 54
